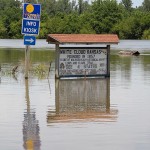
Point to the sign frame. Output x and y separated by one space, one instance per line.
85 74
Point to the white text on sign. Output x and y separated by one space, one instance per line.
30 26
31 23
30 30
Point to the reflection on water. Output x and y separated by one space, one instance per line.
127 66
87 100
31 129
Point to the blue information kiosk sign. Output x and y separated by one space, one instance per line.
30 22
30 26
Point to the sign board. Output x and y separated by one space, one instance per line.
29 40
82 61
30 26
31 11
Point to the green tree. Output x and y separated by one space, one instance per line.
146 5
2 29
133 26
15 29
10 12
127 4
146 34
43 31
65 16
70 24
86 27
105 13
82 6
53 25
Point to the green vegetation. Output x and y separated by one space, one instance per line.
41 62
64 16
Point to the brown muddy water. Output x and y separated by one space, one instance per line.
42 113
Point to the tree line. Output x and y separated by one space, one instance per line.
80 16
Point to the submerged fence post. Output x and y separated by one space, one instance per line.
108 60
57 61
27 59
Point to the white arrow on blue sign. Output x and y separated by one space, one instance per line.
29 40
30 26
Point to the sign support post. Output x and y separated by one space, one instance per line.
27 60
57 62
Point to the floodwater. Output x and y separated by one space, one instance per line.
140 45
42 113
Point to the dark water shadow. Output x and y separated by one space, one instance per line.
82 100
31 130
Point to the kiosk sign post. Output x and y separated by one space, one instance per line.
30 26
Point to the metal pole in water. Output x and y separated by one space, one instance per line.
27 60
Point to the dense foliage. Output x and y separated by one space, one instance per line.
65 16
